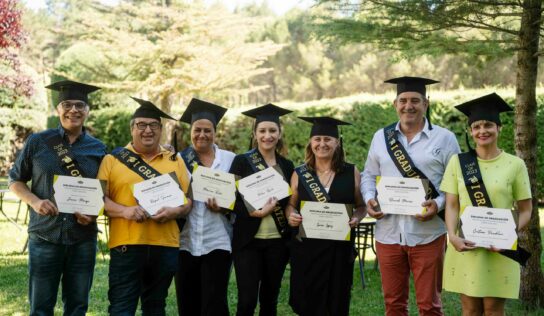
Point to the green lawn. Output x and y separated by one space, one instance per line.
13 283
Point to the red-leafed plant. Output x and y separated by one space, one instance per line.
12 37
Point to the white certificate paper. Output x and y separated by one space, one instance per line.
263 185
400 195
164 190
209 183
324 221
489 227
77 194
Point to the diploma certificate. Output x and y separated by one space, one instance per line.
209 183
263 185
489 227
400 195
164 190
325 221
77 194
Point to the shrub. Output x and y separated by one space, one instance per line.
111 125
15 126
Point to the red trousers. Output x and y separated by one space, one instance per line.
425 262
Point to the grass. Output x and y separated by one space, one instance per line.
14 280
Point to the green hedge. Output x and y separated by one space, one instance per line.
111 126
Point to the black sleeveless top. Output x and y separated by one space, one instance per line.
341 191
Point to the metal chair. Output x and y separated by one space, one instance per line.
104 220
364 239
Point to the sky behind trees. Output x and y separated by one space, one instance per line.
279 7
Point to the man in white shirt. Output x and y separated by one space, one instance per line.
411 147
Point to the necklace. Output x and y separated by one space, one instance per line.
326 183
324 171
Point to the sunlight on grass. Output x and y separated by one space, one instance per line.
14 279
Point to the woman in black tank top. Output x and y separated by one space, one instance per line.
322 269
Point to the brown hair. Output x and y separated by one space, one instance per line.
338 158
280 146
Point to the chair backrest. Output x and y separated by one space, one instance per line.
3 184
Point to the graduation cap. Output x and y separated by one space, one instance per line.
324 125
199 109
149 110
71 90
486 108
268 113
412 84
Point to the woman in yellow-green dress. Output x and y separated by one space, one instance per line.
484 277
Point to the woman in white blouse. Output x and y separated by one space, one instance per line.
205 240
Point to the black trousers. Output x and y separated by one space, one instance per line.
202 282
259 270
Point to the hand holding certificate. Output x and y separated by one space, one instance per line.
155 193
209 183
259 187
489 227
402 196
77 194
325 221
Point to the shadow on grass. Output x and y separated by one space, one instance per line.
369 301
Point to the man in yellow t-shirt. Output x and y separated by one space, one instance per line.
143 248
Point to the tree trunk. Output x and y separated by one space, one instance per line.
532 280
168 125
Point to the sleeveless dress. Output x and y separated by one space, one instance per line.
322 270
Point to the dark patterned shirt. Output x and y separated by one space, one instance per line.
38 163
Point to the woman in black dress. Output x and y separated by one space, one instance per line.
259 241
322 270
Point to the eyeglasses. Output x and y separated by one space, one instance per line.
68 106
153 126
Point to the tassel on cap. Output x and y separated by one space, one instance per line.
428 114
250 142
175 144
467 140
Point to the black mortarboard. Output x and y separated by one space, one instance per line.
199 109
149 110
71 90
413 84
486 108
268 112
324 125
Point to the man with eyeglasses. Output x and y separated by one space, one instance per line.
143 248
61 246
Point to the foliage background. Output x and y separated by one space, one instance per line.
171 51
366 115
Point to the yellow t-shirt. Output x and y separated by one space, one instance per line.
119 181
479 272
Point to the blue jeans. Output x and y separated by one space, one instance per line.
140 272
49 264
